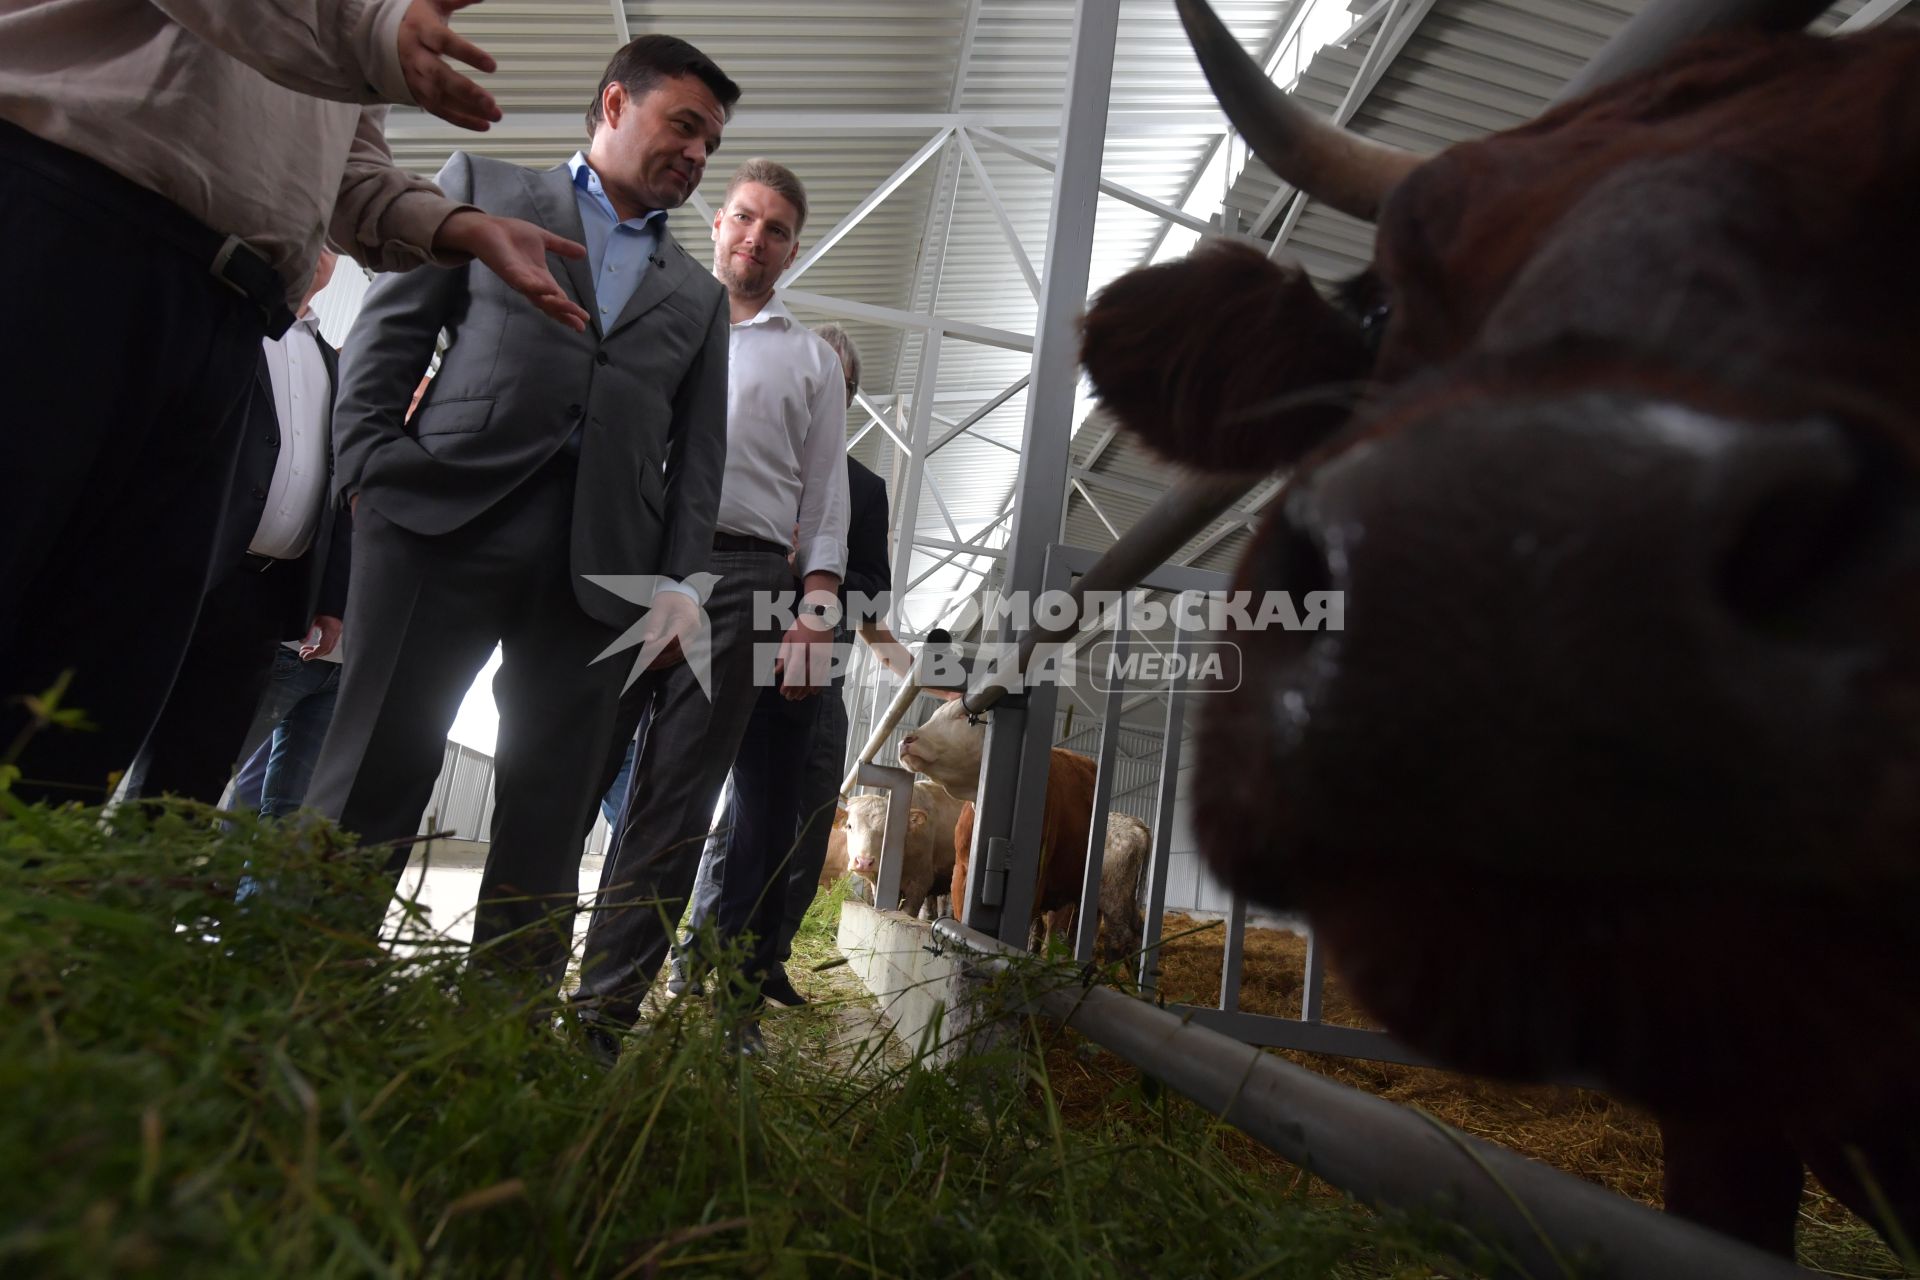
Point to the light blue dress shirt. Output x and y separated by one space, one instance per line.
619 252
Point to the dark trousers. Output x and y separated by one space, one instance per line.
761 872
423 616
687 744
283 743
748 865
202 730
819 796
124 365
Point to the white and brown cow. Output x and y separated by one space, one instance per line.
947 748
1614 452
928 848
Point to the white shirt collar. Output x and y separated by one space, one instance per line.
775 310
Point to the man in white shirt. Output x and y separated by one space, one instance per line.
280 567
786 444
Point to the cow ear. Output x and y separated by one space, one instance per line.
1223 360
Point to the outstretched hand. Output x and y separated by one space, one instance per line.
516 251
424 38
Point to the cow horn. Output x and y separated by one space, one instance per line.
1329 163
1663 25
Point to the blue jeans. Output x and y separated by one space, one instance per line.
617 793
284 742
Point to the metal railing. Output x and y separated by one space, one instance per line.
1541 1222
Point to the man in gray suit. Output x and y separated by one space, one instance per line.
537 457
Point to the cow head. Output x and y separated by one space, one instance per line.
867 826
1613 453
946 747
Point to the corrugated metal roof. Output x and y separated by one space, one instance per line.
1471 67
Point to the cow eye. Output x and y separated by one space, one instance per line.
1373 324
1366 298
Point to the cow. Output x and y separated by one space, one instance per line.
928 848
947 747
1612 773
835 865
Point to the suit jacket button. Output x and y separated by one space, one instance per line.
258 492
574 411
273 442
600 357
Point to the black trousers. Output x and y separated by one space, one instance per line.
124 365
194 747
786 779
768 779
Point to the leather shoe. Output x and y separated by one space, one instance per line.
678 983
778 988
746 1041
600 1044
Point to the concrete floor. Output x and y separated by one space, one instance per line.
445 880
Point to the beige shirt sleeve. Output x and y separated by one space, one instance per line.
383 215
345 50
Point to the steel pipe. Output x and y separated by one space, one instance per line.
1547 1222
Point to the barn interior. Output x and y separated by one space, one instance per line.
978 171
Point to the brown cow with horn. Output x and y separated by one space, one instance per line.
1613 774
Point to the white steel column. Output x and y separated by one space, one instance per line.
907 517
1014 779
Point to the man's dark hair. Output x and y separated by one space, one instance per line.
644 62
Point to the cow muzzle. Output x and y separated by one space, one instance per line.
1581 632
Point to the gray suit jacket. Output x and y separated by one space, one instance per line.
651 391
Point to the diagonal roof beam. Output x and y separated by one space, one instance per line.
1126 195
992 194
1270 59
860 211
1873 11
620 27
1387 44
1000 398
893 317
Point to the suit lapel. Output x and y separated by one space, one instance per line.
659 282
553 198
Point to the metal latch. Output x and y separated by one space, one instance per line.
993 887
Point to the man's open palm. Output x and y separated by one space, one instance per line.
426 41
516 251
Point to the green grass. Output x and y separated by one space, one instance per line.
192 1089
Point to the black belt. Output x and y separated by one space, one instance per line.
746 542
227 258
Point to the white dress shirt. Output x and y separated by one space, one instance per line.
786 440
303 403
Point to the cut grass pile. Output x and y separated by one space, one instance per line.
193 1088
1578 1131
